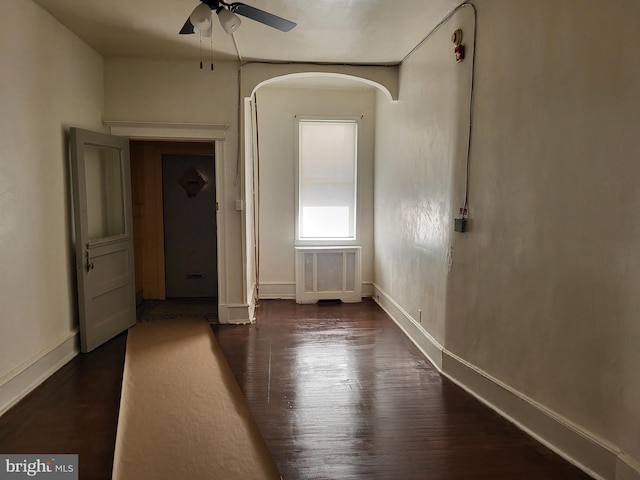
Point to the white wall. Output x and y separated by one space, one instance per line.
550 271
419 139
178 92
49 81
277 108
535 310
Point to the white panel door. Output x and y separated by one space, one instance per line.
103 236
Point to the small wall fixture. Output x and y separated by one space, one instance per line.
458 50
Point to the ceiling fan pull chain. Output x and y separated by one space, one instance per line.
212 51
200 50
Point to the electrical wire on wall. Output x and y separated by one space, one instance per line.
255 163
471 103
256 198
464 211
211 48
239 144
240 123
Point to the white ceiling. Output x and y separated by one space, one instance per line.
328 31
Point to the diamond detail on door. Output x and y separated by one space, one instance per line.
192 182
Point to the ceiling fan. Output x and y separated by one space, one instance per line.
200 18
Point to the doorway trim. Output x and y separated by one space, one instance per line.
168 131
181 132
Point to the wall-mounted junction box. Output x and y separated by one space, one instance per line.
460 225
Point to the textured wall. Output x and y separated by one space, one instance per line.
420 141
541 293
49 81
547 279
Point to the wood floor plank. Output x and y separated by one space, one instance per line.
74 411
339 392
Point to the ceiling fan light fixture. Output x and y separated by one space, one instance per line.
230 21
208 32
201 18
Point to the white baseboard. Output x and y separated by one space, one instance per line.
627 468
31 373
277 291
287 290
595 456
236 314
583 449
428 345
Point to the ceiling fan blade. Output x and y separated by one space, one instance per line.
187 28
261 16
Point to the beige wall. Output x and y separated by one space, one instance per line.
540 296
419 139
277 108
171 91
548 276
49 81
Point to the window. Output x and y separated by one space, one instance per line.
327 178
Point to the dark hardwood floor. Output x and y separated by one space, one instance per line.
74 411
337 390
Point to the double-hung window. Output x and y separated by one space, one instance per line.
327 180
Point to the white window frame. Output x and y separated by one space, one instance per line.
328 241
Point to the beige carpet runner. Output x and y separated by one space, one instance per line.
182 414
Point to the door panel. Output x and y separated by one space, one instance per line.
104 186
104 236
189 216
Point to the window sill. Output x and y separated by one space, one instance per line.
327 242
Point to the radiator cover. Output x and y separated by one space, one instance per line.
328 273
